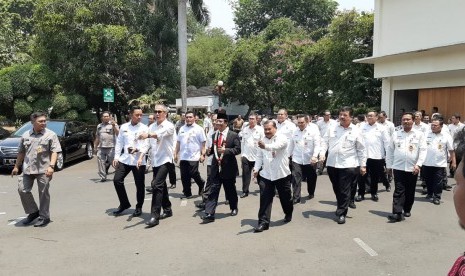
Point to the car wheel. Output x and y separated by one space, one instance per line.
60 162
89 151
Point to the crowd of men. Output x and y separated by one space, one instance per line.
279 154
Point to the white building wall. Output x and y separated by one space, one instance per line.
408 25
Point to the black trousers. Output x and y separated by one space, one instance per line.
434 177
375 170
385 178
267 193
190 169
247 167
121 171
172 173
404 193
160 197
343 181
230 191
303 171
208 186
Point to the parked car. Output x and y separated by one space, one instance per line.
4 133
75 140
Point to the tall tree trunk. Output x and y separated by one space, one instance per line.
182 44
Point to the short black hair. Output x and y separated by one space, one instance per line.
134 107
346 109
38 114
270 122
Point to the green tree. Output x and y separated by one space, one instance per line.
253 16
206 57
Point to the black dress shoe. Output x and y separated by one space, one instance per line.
374 197
152 222
149 190
260 228
173 186
296 201
359 198
226 202
388 188
30 218
207 218
341 219
429 197
166 215
436 201
137 212
120 209
352 205
424 191
447 187
42 222
287 218
395 217
186 197
234 212
407 214
200 205
311 196
244 195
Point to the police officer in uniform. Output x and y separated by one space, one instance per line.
104 144
37 154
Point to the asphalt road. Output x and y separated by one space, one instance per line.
83 239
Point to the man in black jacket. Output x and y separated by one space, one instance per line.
226 145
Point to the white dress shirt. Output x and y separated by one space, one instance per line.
249 141
323 125
190 140
390 128
273 159
422 127
208 144
376 140
127 138
438 147
406 149
453 129
162 147
305 144
346 148
286 128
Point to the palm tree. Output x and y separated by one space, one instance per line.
201 14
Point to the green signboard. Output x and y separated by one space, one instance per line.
108 95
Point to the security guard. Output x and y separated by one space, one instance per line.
37 153
404 157
104 143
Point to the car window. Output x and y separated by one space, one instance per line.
55 126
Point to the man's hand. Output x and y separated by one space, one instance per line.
49 172
314 160
416 170
221 150
143 136
322 158
255 174
115 163
14 171
453 166
363 170
139 161
261 144
202 158
175 157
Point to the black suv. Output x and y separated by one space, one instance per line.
75 139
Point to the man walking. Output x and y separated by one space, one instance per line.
323 126
404 158
225 147
250 136
439 145
128 141
160 135
346 159
305 148
104 144
190 150
37 155
273 160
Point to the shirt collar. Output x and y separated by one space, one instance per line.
31 132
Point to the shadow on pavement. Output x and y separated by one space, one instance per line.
328 202
380 213
321 214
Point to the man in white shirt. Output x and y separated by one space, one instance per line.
404 157
160 136
418 123
376 141
323 125
285 126
250 136
128 141
207 122
190 150
390 129
439 145
305 148
346 159
455 127
273 160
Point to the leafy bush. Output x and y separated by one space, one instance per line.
22 109
19 78
61 103
77 102
6 89
41 77
70 114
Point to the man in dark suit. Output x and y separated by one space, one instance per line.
226 145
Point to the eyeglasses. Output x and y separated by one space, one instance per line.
159 111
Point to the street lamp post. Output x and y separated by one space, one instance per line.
219 89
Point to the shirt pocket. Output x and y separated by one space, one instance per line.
44 145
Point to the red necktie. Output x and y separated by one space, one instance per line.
220 140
